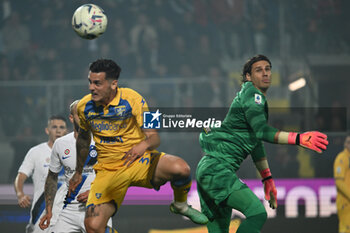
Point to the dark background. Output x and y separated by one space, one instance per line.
191 57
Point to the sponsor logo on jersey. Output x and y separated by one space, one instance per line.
65 157
111 140
98 195
67 151
106 126
93 114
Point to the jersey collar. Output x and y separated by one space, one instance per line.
249 83
115 101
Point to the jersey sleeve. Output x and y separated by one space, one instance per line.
254 108
55 162
340 166
258 152
28 164
139 106
84 124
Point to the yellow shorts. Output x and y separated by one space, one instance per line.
344 217
111 185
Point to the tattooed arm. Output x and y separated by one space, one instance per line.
50 190
50 193
83 144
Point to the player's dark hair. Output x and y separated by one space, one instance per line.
57 117
247 68
108 66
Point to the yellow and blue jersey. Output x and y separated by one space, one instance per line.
117 127
342 174
342 171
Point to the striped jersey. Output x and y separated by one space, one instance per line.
64 155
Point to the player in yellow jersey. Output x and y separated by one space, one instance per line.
342 181
126 151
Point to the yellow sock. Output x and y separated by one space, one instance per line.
110 230
180 192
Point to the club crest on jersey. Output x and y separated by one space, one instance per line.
67 151
257 98
98 195
120 110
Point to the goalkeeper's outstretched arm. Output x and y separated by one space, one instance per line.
256 118
312 140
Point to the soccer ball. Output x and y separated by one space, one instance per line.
89 21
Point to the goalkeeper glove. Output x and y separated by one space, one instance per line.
312 140
269 188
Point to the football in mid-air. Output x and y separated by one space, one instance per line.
89 21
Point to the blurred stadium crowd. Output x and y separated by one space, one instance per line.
157 39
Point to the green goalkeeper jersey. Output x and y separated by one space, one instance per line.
242 131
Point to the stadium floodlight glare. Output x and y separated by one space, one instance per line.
297 84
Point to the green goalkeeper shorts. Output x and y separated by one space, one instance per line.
216 180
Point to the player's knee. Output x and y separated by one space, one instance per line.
92 225
256 222
256 214
262 217
181 169
92 222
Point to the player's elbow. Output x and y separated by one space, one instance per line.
154 141
265 134
259 135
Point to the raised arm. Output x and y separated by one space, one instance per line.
313 140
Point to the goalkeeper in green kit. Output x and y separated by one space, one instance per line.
241 133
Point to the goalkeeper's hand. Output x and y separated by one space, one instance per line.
269 188
270 193
312 140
